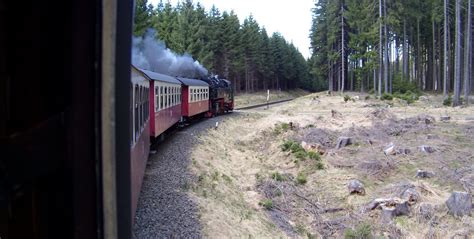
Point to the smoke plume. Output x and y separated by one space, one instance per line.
151 54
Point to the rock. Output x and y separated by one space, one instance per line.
356 187
318 148
343 141
445 118
411 195
459 204
390 149
426 211
356 97
403 151
424 174
427 149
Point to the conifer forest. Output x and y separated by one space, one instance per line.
376 46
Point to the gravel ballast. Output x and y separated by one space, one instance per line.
164 208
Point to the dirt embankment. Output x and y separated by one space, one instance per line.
285 171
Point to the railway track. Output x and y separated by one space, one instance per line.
263 104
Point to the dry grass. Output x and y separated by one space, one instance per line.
236 166
244 99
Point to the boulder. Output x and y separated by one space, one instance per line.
424 174
459 204
427 149
390 149
343 141
356 187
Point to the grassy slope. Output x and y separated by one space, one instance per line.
235 165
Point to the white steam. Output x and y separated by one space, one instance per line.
151 54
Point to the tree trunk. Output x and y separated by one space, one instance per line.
343 59
446 53
386 60
330 79
405 52
468 54
434 80
380 49
457 56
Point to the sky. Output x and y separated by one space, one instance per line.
291 18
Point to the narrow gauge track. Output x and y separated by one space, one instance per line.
263 104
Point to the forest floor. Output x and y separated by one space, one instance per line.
254 180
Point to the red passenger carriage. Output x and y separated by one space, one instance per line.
140 131
165 99
195 94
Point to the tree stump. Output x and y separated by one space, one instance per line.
343 141
356 187
459 204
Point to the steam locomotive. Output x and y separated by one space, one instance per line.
160 102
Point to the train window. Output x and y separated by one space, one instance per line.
135 103
141 107
174 96
167 101
131 117
161 97
156 99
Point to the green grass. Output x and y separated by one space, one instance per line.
363 230
301 178
266 203
278 177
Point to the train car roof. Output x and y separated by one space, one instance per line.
158 77
192 82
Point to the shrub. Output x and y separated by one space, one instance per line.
301 178
319 165
367 97
402 86
278 177
267 204
448 101
286 146
301 155
386 96
363 230
347 98
280 128
314 155
296 147
371 91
